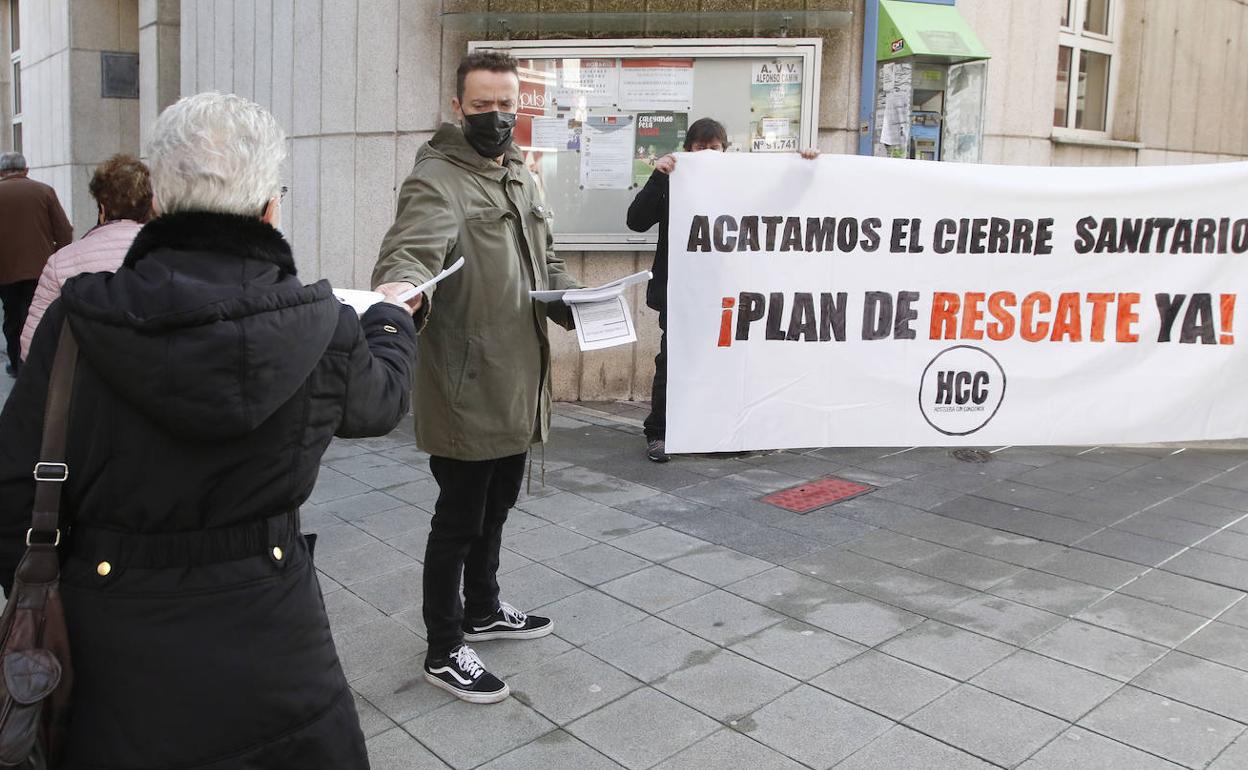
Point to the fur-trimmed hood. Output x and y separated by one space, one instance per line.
205 328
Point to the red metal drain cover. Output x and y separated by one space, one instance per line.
805 498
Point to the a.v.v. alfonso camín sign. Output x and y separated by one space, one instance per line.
876 302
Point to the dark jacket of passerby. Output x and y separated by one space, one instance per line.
210 382
649 207
483 389
32 226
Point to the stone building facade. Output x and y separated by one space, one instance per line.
360 84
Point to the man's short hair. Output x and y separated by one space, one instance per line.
703 131
12 161
123 186
217 153
494 61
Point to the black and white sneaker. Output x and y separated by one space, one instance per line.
507 622
463 675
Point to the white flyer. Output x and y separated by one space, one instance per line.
656 84
551 134
603 324
586 83
607 146
596 294
777 127
410 294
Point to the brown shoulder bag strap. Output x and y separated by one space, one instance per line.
51 471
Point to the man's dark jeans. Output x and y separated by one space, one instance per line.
473 501
656 422
16 298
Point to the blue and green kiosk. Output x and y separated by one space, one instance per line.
924 83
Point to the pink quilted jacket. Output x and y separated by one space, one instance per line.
99 251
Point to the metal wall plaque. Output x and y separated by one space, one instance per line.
119 75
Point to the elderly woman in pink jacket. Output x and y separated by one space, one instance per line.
122 188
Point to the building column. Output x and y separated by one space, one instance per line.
159 60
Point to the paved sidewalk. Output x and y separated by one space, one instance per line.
1052 608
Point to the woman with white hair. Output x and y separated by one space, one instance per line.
209 384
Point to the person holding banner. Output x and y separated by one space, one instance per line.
482 396
648 209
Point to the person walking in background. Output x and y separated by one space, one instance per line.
122 188
482 396
210 383
32 226
648 209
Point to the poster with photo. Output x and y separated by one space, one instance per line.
658 133
775 105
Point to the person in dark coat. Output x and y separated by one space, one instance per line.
209 384
649 208
34 226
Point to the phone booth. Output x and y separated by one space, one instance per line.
931 77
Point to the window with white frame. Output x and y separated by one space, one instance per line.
15 62
1086 48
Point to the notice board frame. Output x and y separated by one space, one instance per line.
808 50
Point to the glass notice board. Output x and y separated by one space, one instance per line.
595 114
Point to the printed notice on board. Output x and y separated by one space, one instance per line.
607 152
556 134
656 84
586 83
775 135
893 107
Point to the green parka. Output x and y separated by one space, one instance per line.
481 389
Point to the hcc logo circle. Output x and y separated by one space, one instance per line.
961 390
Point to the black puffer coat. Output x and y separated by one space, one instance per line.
210 383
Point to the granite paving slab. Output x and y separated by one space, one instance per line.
985 608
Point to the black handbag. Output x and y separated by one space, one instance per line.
36 674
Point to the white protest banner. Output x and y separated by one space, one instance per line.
867 301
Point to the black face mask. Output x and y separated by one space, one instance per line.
489 133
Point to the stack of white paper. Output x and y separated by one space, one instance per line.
602 316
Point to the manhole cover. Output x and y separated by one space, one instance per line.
805 498
971 455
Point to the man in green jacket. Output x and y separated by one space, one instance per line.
481 391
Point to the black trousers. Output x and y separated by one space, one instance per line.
16 298
473 500
656 423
